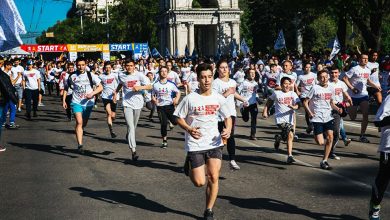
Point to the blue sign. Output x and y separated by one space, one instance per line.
121 47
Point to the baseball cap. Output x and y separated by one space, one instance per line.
29 62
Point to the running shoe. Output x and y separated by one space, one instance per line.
347 141
19 109
95 106
374 212
363 139
164 145
80 149
2 149
296 138
253 137
309 130
13 126
278 139
171 126
41 105
334 157
324 165
208 214
290 160
134 156
233 165
4 125
113 135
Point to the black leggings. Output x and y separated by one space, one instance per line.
68 101
252 110
165 113
382 179
231 143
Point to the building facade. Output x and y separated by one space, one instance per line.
204 25
95 9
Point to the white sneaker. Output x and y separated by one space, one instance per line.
234 165
19 109
41 104
2 149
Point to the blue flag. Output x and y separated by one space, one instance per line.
176 53
194 54
155 53
187 51
280 43
167 54
233 49
244 47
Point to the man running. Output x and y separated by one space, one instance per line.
82 84
110 83
133 83
319 103
165 95
197 115
340 96
304 83
286 102
32 85
357 79
373 65
382 120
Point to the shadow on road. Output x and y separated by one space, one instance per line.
155 164
128 198
279 206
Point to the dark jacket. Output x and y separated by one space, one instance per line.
6 88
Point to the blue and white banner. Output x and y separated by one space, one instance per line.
336 48
244 47
121 47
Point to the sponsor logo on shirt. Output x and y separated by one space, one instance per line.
205 109
131 83
286 100
324 96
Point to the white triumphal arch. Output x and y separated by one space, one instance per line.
201 24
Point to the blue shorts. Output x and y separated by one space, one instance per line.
357 101
320 127
84 110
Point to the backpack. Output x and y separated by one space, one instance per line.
69 82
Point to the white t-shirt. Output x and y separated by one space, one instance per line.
164 92
82 87
220 87
248 90
305 82
339 88
132 99
64 83
271 79
15 70
110 83
358 78
291 75
193 82
201 111
239 76
174 77
374 77
283 113
319 103
185 73
31 77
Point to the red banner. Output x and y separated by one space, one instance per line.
45 48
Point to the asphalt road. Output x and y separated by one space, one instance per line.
43 177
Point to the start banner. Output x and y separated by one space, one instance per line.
45 48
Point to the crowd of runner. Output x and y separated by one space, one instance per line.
203 96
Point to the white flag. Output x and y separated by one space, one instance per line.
336 48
